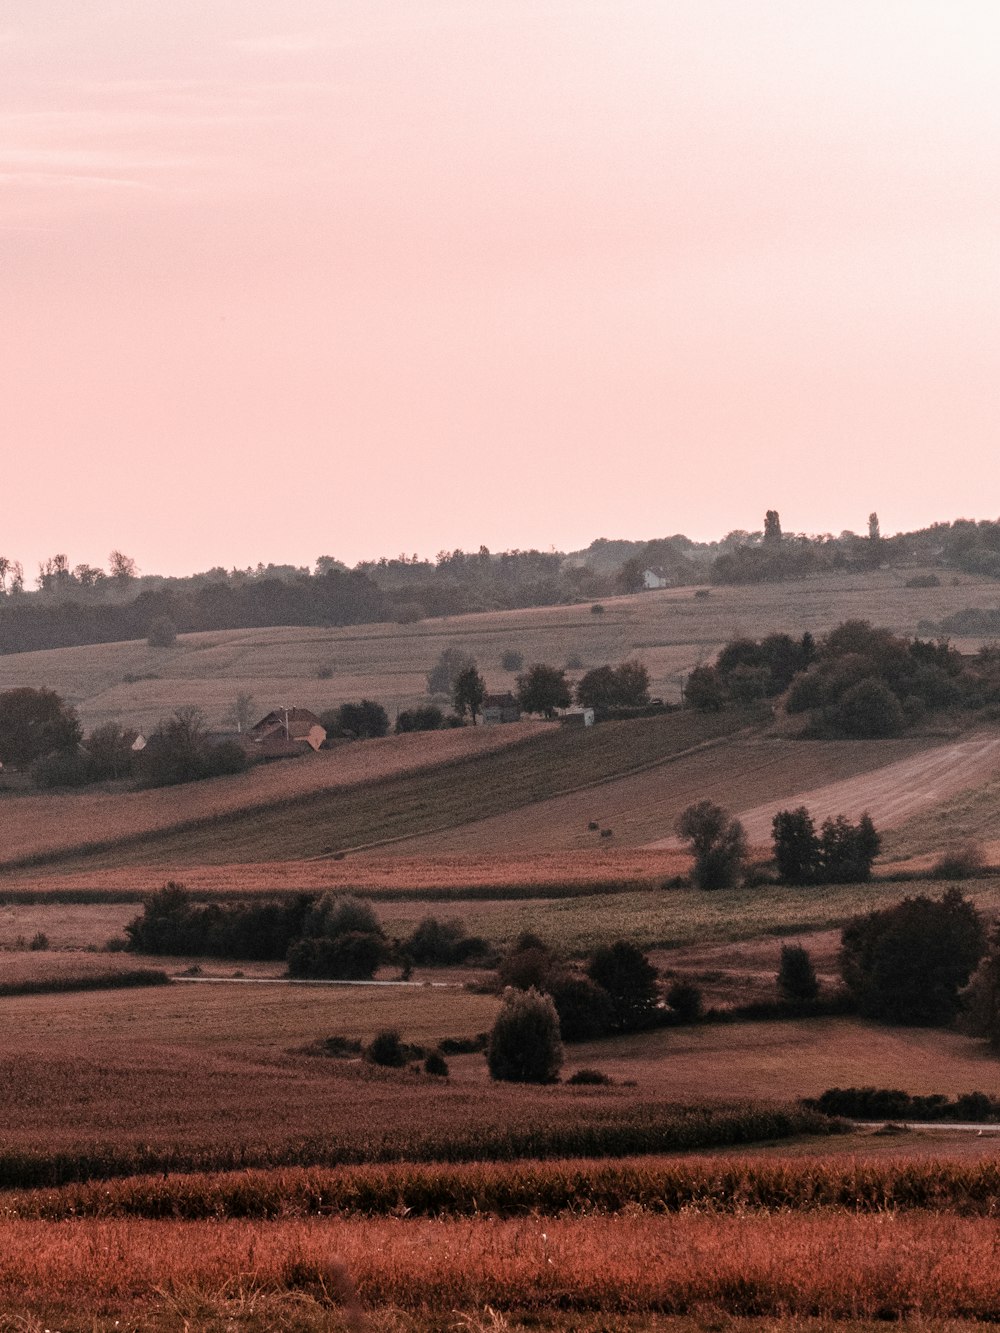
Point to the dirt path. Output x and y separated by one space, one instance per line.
891 795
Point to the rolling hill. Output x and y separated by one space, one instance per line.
671 631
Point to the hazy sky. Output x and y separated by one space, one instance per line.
289 277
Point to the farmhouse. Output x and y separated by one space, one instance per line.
285 731
654 578
500 708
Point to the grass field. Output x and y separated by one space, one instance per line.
671 631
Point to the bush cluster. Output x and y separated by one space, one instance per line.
891 1104
907 964
616 992
841 853
859 680
327 938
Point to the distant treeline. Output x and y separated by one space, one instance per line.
82 604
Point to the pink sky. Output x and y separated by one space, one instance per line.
365 276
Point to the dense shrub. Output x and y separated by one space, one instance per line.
718 844
592 1078
629 978
868 710
893 1104
907 964
585 1009
965 862
366 720
525 1046
435 943
512 660
685 999
436 1065
171 923
980 1000
428 718
386 1048
180 750
796 975
342 940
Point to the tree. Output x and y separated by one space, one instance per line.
842 852
449 666
869 710
874 532
122 568
629 978
543 689
772 528
907 964
846 850
718 844
468 692
630 576
525 1045
366 720
35 723
796 975
624 686
109 750
598 688
703 690
512 660
980 1000
242 711
162 633
796 846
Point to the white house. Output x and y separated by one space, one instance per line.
654 578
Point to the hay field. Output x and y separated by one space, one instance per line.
670 631
32 825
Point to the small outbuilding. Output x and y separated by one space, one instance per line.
500 708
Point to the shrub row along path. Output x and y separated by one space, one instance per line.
891 795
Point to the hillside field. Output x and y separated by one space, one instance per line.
671 631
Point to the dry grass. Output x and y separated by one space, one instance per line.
670 630
825 1264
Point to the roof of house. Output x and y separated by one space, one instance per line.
500 701
298 722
